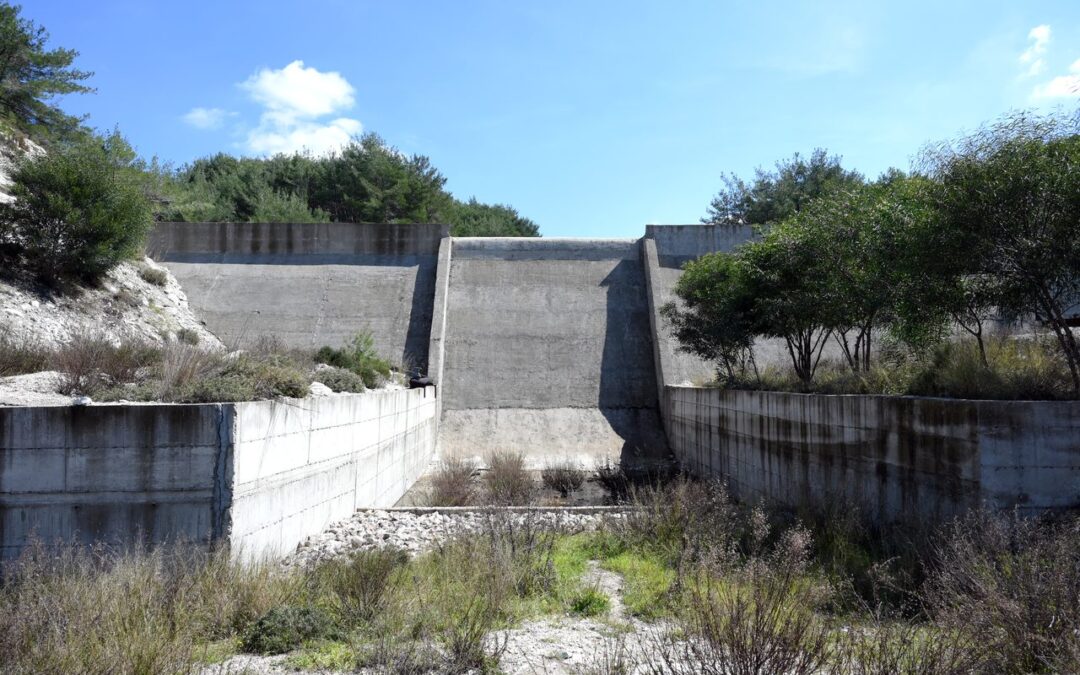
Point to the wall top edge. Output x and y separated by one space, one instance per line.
423 392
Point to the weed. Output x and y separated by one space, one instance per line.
88 364
614 481
153 275
589 602
360 357
1013 582
20 355
360 581
188 336
284 628
451 484
339 379
507 481
564 477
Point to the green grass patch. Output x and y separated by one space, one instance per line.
646 583
324 655
590 602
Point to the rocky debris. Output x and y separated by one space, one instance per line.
420 530
319 389
125 306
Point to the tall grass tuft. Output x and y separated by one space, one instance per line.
452 484
507 482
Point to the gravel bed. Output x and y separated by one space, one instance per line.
419 530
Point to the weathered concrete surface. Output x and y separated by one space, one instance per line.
548 351
310 284
111 473
666 248
300 465
256 476
896 456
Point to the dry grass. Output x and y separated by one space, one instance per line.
69 610
1013 582
452 484
564 477
507 482
19 356
89 364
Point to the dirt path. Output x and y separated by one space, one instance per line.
570 644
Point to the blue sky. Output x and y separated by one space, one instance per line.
591 118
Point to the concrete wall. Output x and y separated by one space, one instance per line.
259 476
299 465
310 284
112 473
665 249
897 456
548 350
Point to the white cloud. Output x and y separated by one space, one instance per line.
298 91
1032 57
207 118
294 98
319 138
1062 86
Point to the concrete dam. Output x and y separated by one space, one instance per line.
548 346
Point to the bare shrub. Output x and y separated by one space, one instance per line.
688 522
360 581
614 480
181 367
90 363
564 477
1014 582
451 484
154 276
507 482
20 355
906 648
761 624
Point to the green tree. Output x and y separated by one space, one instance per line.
31 75
474 219
715 319
775 195
862 231
1010 191
78 210
372 182
793 288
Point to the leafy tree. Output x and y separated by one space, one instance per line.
775 195
473 219
715 320
371 182
1010 191
367 182
862 231
78 210
789 276
31 75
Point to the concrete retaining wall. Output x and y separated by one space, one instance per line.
258 476
665 249
897 456
310 284
548 350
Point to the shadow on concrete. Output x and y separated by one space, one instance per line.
627 397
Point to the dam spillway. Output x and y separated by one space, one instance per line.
551 347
